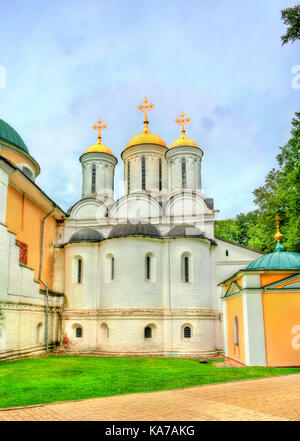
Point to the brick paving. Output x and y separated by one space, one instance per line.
266 399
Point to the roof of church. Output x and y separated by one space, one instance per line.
146 138
129 229
9 134
187 230
86 235
279 259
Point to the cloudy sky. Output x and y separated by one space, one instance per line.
68 62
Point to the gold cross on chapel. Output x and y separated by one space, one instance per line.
183 121
278 236
99 127
145 108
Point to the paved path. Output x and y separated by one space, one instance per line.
268 399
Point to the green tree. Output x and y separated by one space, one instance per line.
291 17
279 195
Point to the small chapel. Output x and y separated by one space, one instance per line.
140 275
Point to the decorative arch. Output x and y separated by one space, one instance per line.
186 204
135 206
89 208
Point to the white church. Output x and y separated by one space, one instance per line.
140 273
137 276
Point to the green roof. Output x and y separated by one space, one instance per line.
8 134
279 259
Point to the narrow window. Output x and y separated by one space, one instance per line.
236 331
93 188
143 173
186 269
148 332
78 332
183 172
187 332
79 271
160 174
39 338
112 268
128 177
227 253
148 267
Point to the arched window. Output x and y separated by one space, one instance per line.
28 172
93 185
186 267
160 174
104 332
109 268
187 332
148 267
227 253
148 332
128 177
143 173
78 332
236 331
112 268
183 172
39 334
79 270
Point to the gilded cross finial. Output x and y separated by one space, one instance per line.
278 236
183 121
99 127
145 108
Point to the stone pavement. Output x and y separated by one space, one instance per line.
267 399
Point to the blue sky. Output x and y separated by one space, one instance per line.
69 62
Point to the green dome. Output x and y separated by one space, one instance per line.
8 134
279 259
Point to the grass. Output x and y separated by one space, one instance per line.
60 378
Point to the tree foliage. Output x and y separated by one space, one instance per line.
291 17
280 195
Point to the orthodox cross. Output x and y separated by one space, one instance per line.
278 236
145 108
99 127
183 121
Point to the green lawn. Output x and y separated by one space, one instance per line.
60 378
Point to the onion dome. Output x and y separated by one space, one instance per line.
146 137
129 229
183 140
99 147
279 259
8 134
86 235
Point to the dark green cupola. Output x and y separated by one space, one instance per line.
9 134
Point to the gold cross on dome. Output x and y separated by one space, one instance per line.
278 236
183 121
145 108
99 127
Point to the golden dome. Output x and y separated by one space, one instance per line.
99 148
184 142
146 138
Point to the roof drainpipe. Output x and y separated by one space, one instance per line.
40 276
